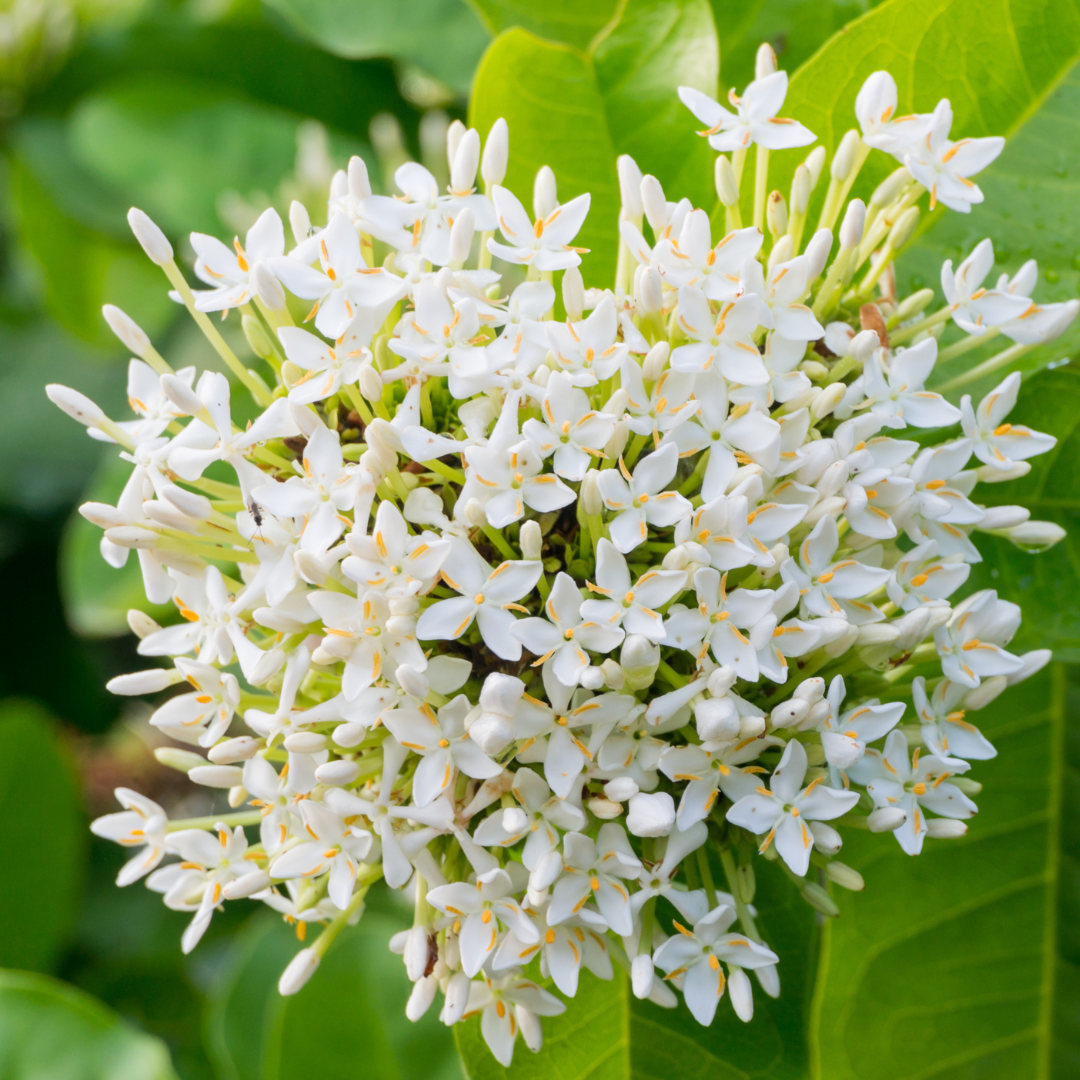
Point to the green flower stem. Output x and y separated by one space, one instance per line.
648 915
761 186
499 541
447 472
746 920
972 341
988 367
340 921
706 876
673 676
245 817
908 332
358 403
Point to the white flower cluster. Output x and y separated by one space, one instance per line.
549 618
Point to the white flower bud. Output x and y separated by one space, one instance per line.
102 515
945 828
654 203
741 993
492 732
132 536
532 1033
800 190
305 742
987 690
131 335
844 876
652 367
851 230
915 304
815 163
1034 662
455 132
750 727
1036 535
241 748
721 680
621 789
592 678
1004 517
545 193
822 406
875 101
614 678
415 952
456 998
339 184
140 624
764 61
370 384
904 228
604 809
349 734
818 898
863 344
826 839
359 181
844 159
913 628
237 796
639 659
299 221
465 162
614 447
475 514
144 682
789 713
496 154
77 406
889 189
216 776
423 994
768 979
172 757
641 976
650 293
717 718
267 288
651 814
727 187
547 871
187 502
412 681
300 969
987 474
152 239
461 237
878 634
782 251
776 213
630 187
592 502
246 885
886 819
573 293
817 252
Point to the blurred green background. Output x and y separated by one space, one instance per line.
204 112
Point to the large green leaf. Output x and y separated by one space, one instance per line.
568 21
444 37
43 842
962 963
49 1031
576 111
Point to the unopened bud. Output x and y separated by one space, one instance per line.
299 221
782 252
904 228
531 540
172 757
465 162
854 223
359 181
187 502
621 789
181 395
727 187
127 330
886 819
650 293
824 404
750 727
496 154
651 814
815 163
371 386
605 809
966 784
246 885
461 236
152 239
267 288
776 214
764 61
717 718
746 882
573 293
215 776
887 191
140 624
1004 517
817 252
800 190
545 193
242 748
614 678
423 994
878 634
629 188
302 966
592 501
945 829
305 742
789 713
614 447
845 876
642 975
652 367
987 474
987 690
237 796
1034 662
592 678
818 898
1036 535
102 515
256 337
144 682
914 304
826 839
844 159
77 406
654 203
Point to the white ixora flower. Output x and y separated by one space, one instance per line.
640 500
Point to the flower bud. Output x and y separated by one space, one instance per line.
844 876
531 540
800 190
746 882
621 789
545 193
776 214
717 718
629 188
461 236
1036 535
614 447
267 288
782 251
215 776
455 132
727 187
1034 662
750 727
826 839
77 406
817 252
256 336
613 674
987 474
651 814
246 885
604 809
339 184
764 61
818 898
966 785
889 189
237 796
152 239
639 659
131 335
1004 517
987 690
815 163
592 678
492 732
547 871
844 159
187 502
465 162
741 994
649 290
496 154
789 713
305 742
300 969
299 221
423 994
241 748
140 624
592 501
370 384
878 634
641 976
863 344
102 515
886 819
945 828
654 203
914 304
349 734
573 293
144 682
854 223
904 228
652 367
359 181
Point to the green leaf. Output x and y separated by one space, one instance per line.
97 596
353 1009
621 98
42 845
174 147
50 1031
570 22
963 962
590 1041
444 37
1050 402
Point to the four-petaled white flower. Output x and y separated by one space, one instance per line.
640 500
141 824
545 244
